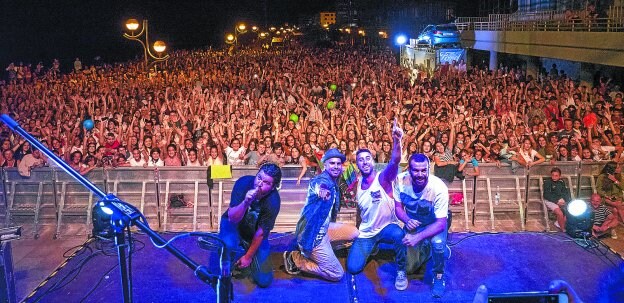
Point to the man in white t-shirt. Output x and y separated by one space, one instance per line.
421 202
235 153
376 208
137 158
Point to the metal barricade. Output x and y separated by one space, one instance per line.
52 194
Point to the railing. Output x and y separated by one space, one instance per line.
599 25
50 195
553 20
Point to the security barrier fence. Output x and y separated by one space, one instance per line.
177 199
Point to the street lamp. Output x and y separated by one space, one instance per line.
238 29
142 37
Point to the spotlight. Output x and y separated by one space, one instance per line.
401 39
578 219
101 217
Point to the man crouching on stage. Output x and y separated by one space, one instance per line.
421 202
254 206
317 228
377 210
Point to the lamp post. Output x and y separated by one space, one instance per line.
238 29
142 37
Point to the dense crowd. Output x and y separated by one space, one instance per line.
288 106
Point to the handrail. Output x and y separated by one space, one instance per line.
597 25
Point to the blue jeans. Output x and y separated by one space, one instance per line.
237 238
433 248
362 248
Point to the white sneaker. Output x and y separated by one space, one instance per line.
613 234
556 224
400 283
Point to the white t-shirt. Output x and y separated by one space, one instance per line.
193 164
233 156
376 208
152 163
418 205
135 163
528 158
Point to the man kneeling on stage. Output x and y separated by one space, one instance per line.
254 206
421 202
317 227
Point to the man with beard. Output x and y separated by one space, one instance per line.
254 205
317 227
376 209
421 202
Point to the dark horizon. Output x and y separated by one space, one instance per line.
33 31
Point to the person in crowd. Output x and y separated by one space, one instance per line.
421 203
30 161
603 221
136 160
527 156
8 160
172 158
556 196
609 185
317 228
154 159
254 206
379 223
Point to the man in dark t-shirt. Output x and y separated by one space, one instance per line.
254 206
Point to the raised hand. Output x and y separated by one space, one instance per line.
397 132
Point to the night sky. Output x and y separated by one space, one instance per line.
33 31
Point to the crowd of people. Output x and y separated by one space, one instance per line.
297 104
288 106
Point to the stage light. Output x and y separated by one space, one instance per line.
101 217
578 219
401 39
577 207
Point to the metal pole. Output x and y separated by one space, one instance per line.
56 205
126 282
6 198
157 182
474 199
579 170
526 193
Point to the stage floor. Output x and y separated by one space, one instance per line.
504 262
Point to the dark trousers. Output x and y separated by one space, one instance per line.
362 248
237 238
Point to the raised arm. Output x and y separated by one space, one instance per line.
390 172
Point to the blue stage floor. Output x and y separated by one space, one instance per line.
504 262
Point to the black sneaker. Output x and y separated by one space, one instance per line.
289 264
437 289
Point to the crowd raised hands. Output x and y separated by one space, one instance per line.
288 106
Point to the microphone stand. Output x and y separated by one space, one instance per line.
124 215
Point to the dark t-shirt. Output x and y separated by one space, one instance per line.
266 208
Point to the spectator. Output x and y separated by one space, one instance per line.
30 161
137 158
603 220
154 159
556 196
609 186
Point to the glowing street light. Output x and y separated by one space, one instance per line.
132 24
143 38
160 46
